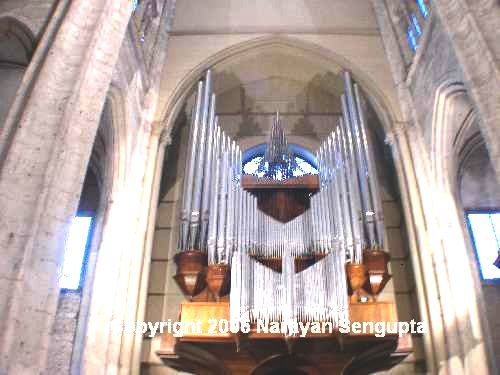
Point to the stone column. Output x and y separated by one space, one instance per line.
42 173
164 141
473 28
445 279
455 342
425 279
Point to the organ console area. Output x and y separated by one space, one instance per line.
276 249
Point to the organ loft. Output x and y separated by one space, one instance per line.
234 187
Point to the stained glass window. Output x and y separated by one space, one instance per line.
417 14
74 254
301 167
485 231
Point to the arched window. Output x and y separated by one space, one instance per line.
305 163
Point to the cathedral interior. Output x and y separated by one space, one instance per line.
230 165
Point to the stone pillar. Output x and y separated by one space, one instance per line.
425 279
457 340
42 173
164 141
473 28
456 336
119 269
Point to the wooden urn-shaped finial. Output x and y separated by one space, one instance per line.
356 274
376 262
218 280
191 271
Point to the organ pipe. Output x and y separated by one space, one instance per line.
189 171
371 174
208 170
200 166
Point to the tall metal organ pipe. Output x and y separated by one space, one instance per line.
372 174
189 171
208 185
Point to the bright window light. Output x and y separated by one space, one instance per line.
412 40
423 8
303 167
74 253
416 24
251 166
485 228
135 4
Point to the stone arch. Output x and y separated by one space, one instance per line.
17 44
117 134
108 163
183 93
108 157
466 333
19 36
376 97
453 122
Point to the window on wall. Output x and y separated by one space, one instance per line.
302 167
79 237
418 12
135 4
412 39
485 233
75 253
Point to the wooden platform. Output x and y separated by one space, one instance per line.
259 353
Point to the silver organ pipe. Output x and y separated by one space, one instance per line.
353 188
222 212
207 177
214 204
344 216
341 178
358 155
371 174
200 166
230 201
189 172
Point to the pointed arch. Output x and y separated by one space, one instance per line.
453 124
17 43
181 92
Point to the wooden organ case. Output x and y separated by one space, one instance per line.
262 255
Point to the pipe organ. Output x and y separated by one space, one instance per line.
275 246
